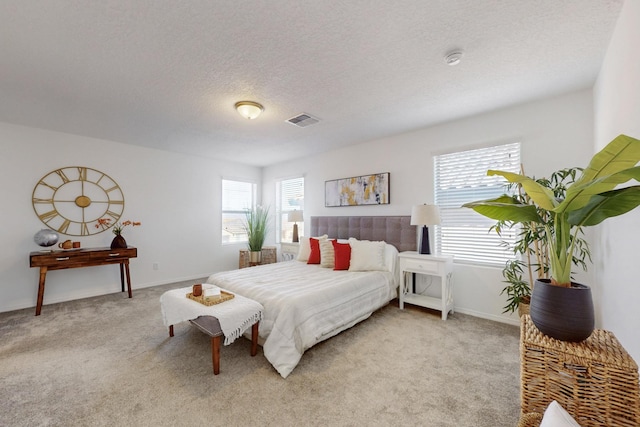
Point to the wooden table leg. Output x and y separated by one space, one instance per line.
126 269
43 276
215 354
254 339
122 276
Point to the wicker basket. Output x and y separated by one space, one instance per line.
595 380
213 300
532 419
269 256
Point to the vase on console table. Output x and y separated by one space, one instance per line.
118 242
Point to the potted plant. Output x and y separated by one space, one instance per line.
530 248
256 226
560 308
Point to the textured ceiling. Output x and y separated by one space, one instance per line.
166 74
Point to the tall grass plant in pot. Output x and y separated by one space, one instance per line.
256 226
561 308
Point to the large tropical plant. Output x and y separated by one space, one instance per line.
530 246
256 226
591 199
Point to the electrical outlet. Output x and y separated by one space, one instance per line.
156 266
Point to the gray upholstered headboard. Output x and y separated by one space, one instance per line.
395 230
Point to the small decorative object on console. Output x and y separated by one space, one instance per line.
46 238
118 241
67 244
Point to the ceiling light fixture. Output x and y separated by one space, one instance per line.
249 109
453 58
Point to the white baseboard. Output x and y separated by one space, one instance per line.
502 319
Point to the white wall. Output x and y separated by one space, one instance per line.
176 197
617 110
555 133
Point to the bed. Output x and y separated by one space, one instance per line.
305 304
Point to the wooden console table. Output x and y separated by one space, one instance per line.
76 258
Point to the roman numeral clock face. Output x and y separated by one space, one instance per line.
71 200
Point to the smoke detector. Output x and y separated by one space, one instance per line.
303 120
453 58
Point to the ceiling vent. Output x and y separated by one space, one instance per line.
303 120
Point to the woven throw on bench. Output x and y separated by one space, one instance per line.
235 316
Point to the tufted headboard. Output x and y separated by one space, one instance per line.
395 230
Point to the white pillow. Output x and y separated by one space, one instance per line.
305 247
390 257
556 416
327 254
367 256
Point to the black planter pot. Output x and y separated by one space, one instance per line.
565 314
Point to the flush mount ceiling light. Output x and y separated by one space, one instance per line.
453 58
249 109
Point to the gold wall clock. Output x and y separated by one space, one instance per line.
72 199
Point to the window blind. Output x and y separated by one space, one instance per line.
290 196
461 177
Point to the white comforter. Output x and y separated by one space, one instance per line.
305 304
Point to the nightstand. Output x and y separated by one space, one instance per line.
430 265
289 250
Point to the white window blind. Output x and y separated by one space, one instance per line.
460 178
237 197
290 196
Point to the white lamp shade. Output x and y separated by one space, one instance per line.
249 109
295 216
425 215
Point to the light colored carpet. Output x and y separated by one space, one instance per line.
109 361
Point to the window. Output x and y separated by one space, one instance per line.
290 196
237 197
460 178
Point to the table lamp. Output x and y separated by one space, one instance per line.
425 215
295 216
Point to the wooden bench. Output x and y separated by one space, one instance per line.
211 326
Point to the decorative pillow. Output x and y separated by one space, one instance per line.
366 255
327 256
342 255
305 248
556 416
314 255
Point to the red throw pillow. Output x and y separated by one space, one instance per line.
342 255
314 256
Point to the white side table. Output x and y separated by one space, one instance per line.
289 250
431 265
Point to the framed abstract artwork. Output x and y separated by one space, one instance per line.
357 190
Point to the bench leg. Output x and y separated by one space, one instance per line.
170 330
254 339
215 354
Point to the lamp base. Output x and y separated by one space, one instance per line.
424 241
295 234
